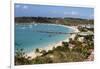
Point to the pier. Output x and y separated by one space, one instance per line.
53 32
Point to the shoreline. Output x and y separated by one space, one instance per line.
32 54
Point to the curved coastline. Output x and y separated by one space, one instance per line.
50 46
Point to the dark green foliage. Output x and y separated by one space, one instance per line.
50 51
65 44
41 60
37 50
65 21
20 58
43 52
82 29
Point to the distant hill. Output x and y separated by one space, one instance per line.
65 21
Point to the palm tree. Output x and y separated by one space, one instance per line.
65 44
43 52
37 50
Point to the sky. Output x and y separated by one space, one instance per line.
28 10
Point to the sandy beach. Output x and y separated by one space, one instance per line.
51 46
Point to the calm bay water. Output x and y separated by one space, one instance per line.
29 40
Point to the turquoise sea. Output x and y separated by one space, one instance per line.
28 39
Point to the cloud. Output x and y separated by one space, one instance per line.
17 6
71 14
25 7
74 13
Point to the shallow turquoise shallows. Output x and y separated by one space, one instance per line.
28 39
